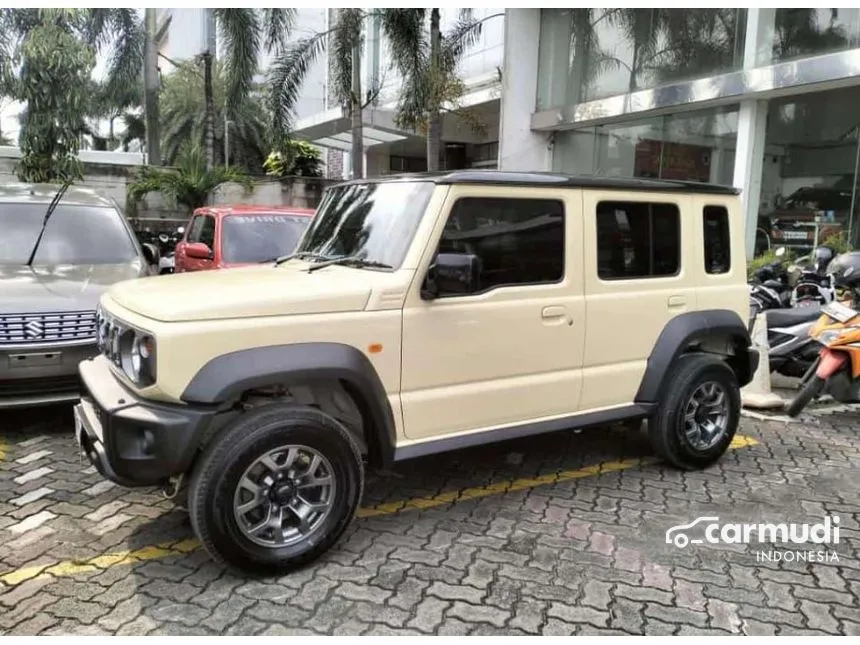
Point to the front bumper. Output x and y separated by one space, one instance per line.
37 375
133 441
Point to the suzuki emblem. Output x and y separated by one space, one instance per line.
33 329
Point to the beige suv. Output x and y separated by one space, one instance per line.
420 314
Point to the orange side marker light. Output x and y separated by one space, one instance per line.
375 348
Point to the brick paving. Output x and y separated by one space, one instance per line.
576 555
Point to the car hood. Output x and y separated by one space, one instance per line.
249 292
62 287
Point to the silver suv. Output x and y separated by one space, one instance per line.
49 290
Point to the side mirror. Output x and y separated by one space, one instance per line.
452 274
198 251
780 251
151 253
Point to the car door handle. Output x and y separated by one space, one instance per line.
549 313
677 301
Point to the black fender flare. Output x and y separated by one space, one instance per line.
226 377
685 329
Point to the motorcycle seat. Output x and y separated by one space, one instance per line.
789 317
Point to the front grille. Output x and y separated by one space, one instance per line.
37 386
31 329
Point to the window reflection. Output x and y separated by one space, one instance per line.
587 54
801 32
694 146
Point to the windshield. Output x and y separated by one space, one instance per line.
74 235
257 238
372 221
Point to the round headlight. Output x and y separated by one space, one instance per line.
136 359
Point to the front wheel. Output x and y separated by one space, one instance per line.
699 415
808 391
276 489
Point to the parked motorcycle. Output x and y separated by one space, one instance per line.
769 287
168 244
791 349
836 370
814 285
790 312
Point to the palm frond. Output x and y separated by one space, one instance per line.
279 24
286 78
181 103
406 33
345 36
123 33
241 34
465 34
190 183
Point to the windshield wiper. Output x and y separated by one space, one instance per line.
294 256
350 260
51 208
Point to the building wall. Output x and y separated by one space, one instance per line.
762 99
185 37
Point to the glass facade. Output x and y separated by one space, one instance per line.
788 34
811 165
694 146
808 142
588 54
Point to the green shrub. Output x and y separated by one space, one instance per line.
766 258
298 159
838 242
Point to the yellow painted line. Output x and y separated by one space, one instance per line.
2 449
159 551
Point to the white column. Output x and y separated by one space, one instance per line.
752 121
748 164
519 147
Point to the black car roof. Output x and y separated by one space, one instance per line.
544 179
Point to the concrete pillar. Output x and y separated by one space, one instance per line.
519 147
748 164
752 122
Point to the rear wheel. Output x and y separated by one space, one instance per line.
808 391
699 415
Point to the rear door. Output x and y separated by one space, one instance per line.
640 272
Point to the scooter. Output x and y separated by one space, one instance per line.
769 287
791 349
836 371
814 286
167 263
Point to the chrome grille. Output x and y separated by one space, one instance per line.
31 329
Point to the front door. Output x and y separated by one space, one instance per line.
202 229
509 351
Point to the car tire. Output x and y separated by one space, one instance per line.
247 451
698 418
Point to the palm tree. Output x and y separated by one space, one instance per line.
291 65
243 33
426 58
427 61
181 101
190 184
